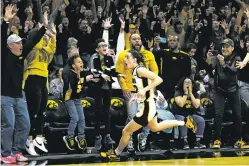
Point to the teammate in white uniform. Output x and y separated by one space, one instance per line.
144 82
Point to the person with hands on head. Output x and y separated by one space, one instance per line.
15 117
144 82
187 99
74 79
226 86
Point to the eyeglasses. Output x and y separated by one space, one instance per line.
136 38
102 45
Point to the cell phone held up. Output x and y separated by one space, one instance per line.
215 52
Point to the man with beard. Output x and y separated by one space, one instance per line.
173 65
85 37
129 90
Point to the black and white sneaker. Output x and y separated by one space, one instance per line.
172 145
81 143
185 145
198 145
130 148
70 143
39 143
142 141
97 143
30 148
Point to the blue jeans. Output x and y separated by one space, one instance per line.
131 112
200 122
15 125
167 115
77 118
244 91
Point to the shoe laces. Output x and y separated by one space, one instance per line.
45 141
217 142
240 142
144 141
19 155
130 145
108 137
82 141
71 141
8 157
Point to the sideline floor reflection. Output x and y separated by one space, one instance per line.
180 157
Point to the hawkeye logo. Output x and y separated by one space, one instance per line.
188 104
51 104
206 102
117 103
85 103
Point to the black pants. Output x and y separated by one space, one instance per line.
235 105
37 96
102 99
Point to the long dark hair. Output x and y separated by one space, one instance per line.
195 86
138 56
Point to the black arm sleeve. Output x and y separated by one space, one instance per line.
31 43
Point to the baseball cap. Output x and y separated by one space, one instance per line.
228 42
13 39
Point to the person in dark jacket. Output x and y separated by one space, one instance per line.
226 86
15 117
103 68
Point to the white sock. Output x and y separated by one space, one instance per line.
180 123
117 152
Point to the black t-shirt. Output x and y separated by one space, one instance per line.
172 67
73 86
188 108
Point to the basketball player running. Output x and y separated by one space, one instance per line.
144 81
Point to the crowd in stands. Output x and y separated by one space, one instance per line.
67 49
